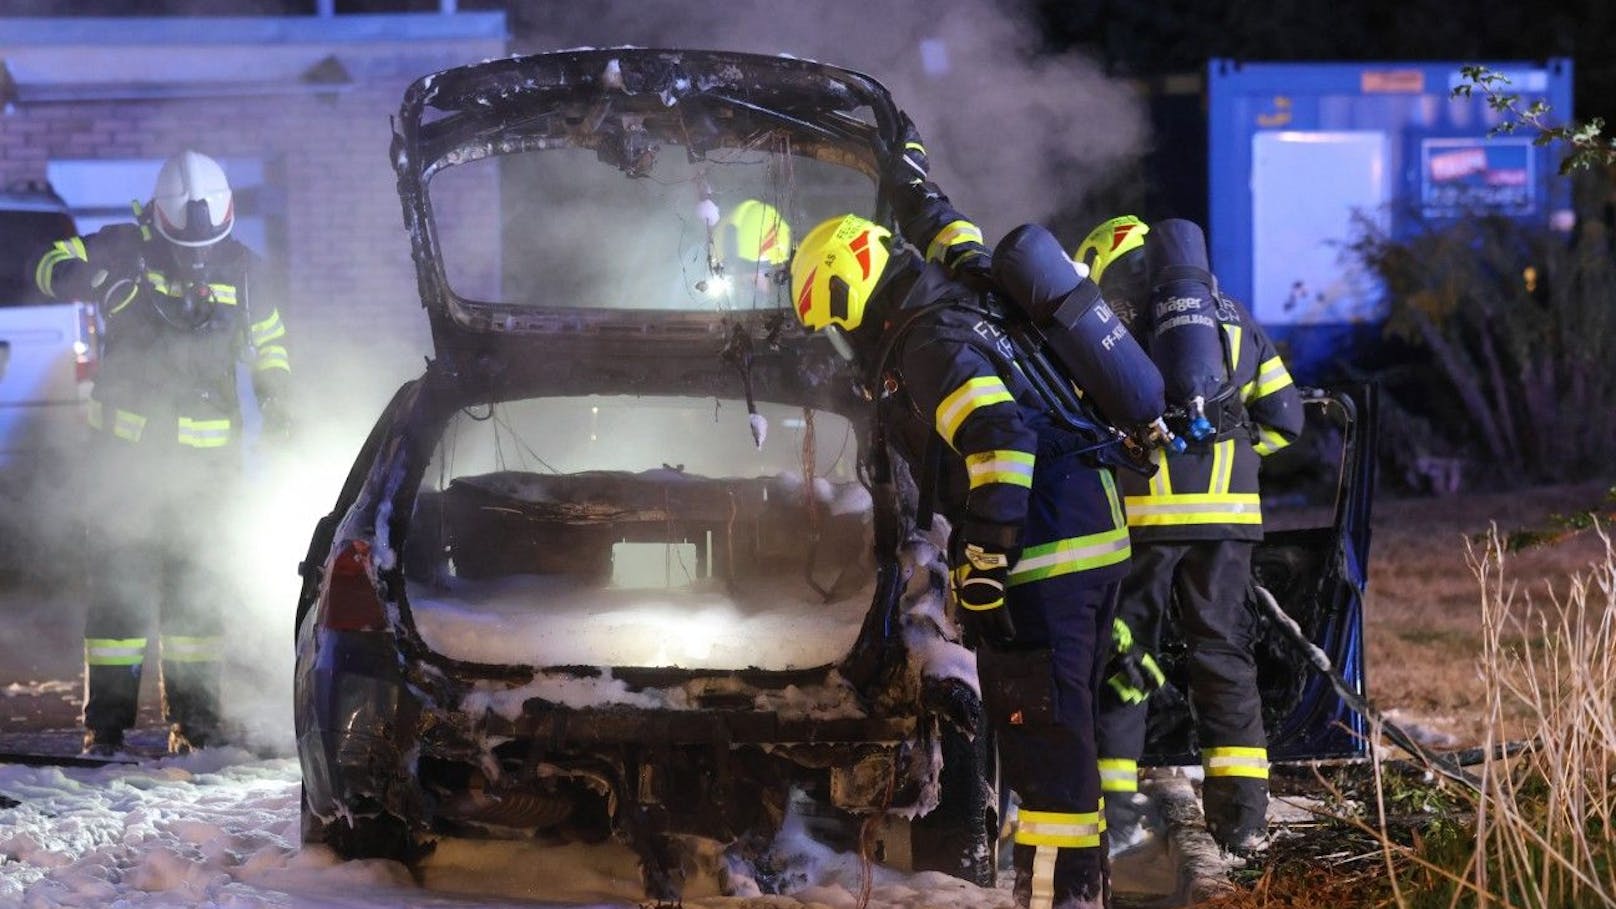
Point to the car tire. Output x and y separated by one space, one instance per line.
365 831
960 836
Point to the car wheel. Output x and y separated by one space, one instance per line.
365 831
961 835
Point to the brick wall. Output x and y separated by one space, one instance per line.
351 290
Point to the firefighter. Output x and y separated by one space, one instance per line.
177 301
745 252
1193 525
1038 542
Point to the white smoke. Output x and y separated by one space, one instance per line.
1013 135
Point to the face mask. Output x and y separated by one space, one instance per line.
838 340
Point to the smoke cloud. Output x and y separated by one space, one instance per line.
1013 135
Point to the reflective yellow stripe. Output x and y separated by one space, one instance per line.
1060 829
128 425
224 294
1222 466
204 433
127 298
1001 466
952 233
268 329
1190 508
1268 441
965 400
272 357
1049 560
191 649
114 651
1121 636
60 251
1112 499
1234 760
1233 331
1119 775
1271 377
1161 482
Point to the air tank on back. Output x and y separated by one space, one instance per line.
1186 342
1084 335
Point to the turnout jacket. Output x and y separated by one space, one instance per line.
1210 492
949 385
172 336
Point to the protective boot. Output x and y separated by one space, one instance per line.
111 695
1058 877
1236 809
191 704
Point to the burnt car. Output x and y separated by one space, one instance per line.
617 563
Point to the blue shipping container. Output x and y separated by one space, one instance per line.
1297 152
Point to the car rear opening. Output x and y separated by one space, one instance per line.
641 532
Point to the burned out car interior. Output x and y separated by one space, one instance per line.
614 565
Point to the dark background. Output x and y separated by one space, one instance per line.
1155 37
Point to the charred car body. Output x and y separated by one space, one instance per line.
576 583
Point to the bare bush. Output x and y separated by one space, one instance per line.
1519 324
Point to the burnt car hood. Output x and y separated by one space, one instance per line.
622 104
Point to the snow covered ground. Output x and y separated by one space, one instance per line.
220 829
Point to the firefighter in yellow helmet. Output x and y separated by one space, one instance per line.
746 254
1193 524
182 302
1037 545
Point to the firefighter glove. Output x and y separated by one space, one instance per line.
1132 673
980 578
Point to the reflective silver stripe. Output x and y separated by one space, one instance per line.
1222 467
1043 877
268 329
1119 775
1001 466
1268 441
273 357
1161 482
128 425
1236 760
191 649
973 393
1233 331
204 433
1048 560
1271 377
114 651
1195 508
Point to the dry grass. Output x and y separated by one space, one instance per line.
1423 619
1538 831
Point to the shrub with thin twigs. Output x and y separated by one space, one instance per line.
1542 828
1540 831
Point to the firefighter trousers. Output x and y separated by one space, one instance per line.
1210 579
1040 698
156 550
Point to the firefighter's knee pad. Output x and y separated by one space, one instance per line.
1018 687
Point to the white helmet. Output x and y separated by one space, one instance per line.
193 201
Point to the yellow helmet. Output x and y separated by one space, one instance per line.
1109 242
755 231
836 269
